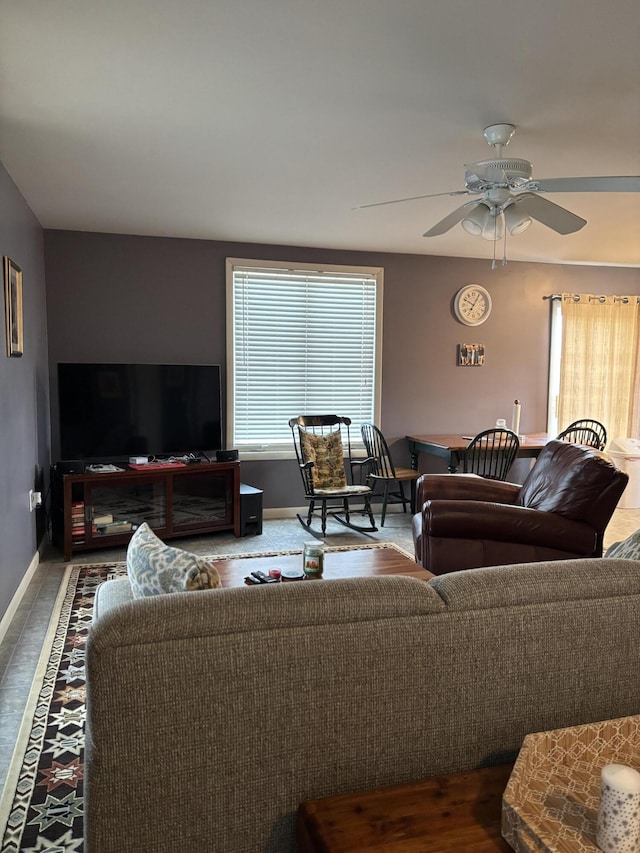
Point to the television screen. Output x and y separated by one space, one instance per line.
109 410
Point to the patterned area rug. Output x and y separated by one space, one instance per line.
41 808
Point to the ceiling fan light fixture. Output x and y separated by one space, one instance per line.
476 219
517 221
494 227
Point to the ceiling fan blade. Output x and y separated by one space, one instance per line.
552 215
630 184
452 219
411 198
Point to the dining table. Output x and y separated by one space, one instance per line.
451 448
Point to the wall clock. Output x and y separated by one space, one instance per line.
472 304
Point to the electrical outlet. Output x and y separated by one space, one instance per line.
35 500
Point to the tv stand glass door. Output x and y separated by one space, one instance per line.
200 501
117 507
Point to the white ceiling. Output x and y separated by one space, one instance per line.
269 120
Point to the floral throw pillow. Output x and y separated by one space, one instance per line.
628 549
154 568
327 454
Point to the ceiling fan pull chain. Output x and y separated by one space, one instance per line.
504 249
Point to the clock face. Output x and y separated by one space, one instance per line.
472 304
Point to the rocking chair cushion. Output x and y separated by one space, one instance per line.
326 452
345 490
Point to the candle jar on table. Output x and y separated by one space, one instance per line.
313 559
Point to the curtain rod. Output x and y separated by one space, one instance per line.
594 297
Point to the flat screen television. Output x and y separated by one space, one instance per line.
111 410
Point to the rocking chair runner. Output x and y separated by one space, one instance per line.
320 453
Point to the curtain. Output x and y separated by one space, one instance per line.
599 362
635 407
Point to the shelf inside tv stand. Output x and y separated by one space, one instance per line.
101 510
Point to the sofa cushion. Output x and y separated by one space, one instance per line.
327 454
155 568
111 594
628 549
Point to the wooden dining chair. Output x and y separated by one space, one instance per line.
491 453
583 431
383 471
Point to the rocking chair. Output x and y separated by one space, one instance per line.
320 453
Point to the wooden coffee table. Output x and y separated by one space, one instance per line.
357 563
444 814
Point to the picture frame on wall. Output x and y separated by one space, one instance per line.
13 308
470 355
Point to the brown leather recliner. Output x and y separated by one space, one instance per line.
560 512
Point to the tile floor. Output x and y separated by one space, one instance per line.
21 646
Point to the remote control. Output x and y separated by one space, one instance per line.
262 578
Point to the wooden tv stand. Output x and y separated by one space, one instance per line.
199 498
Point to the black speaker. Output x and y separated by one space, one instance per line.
250 510
70 466
226 455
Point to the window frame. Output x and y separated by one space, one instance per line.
555 359
273 451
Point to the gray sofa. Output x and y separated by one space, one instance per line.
212 714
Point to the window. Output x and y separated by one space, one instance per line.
300 340
594 362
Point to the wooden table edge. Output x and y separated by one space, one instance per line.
311 836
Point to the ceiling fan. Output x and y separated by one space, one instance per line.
510 196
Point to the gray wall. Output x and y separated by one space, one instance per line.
24 396
119 298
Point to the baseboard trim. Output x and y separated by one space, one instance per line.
283 511
18 595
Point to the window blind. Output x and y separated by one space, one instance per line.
303 341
